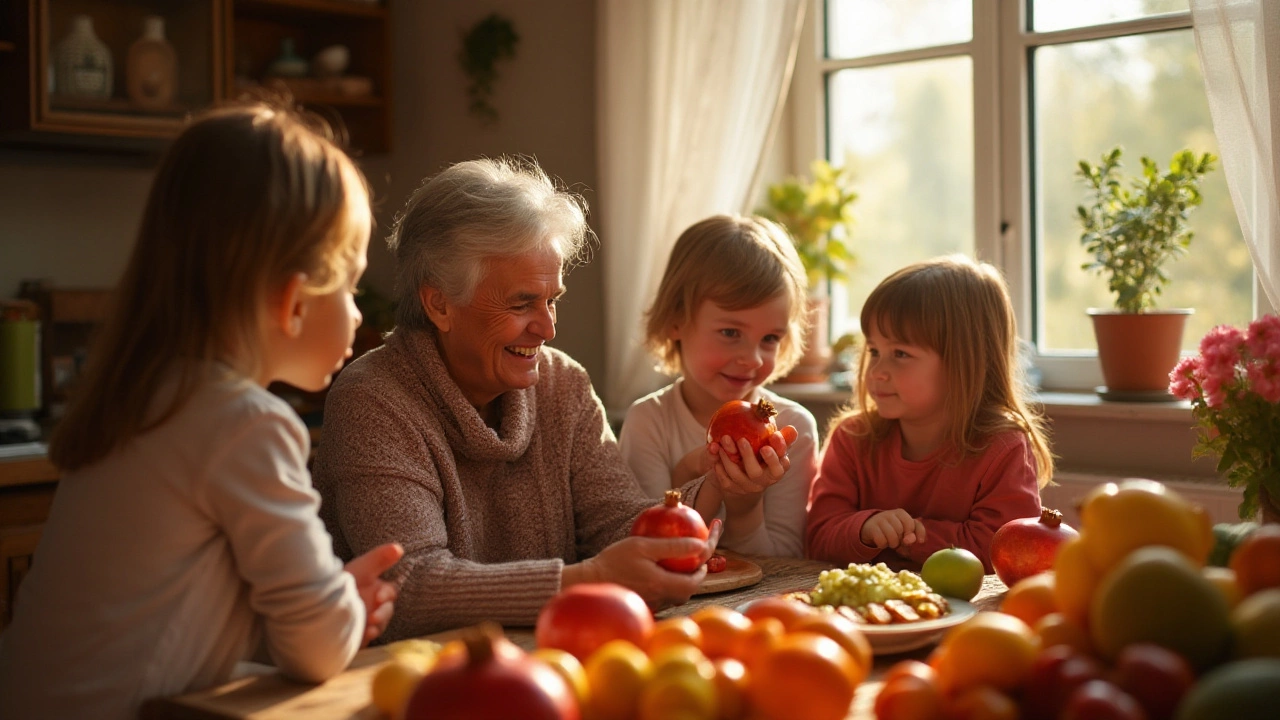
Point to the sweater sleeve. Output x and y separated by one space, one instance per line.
641 448
382 479
834 530
259 492
1007 489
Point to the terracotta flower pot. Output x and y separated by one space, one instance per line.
1138 350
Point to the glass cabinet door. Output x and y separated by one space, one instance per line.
124 67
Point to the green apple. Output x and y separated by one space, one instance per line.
953 572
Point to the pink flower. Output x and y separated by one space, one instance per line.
1182 382
1221 345
1264 337
1264 378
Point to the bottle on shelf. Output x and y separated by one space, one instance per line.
152 71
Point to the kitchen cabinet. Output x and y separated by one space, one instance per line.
55 90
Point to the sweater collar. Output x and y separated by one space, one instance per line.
467 432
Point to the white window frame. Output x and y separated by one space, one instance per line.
1002 154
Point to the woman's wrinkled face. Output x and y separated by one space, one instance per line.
494 343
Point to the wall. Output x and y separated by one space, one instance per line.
71 218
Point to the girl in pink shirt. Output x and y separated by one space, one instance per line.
940 448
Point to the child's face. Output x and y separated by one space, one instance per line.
726 354
905 380
328 329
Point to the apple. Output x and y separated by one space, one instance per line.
1155 676
1055 674
1102 700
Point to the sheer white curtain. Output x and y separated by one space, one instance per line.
689 93
1239 46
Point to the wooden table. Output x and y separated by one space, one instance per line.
270 696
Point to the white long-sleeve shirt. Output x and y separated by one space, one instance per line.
164 564
660 429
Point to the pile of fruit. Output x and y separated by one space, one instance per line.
602 656
1130 625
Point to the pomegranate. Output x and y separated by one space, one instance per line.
492 679
672 519
1027 546
741 419
583 617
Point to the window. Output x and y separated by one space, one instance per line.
964 121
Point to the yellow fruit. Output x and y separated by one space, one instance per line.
1156 595
616 673
1117 519
990 649
1075 579
392 685
683 684
1030 598
569 668
1058 629
1225 580
1256 625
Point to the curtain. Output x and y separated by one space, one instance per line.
689 95
1239 46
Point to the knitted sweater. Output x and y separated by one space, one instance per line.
487 518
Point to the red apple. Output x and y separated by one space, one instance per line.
1155 676
1027 546
1101 700
1055 674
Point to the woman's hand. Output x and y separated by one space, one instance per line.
891 529
378 595
633 563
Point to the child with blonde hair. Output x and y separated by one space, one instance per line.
184 536
941 448
728 318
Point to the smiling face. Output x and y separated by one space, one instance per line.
906 381
726 354
493 343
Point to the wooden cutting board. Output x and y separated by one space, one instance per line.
739 572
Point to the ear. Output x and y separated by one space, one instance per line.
291 309
438 308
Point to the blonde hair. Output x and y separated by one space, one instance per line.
961 310
245 197
472 212
737 263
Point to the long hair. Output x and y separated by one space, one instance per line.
961 310
738 263
245 197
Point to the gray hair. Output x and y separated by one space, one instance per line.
474 211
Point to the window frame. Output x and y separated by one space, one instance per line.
1004 233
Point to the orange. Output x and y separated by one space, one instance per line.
1075 579
803 676
1120 518
788 611
617 673
763 636
731 689
1030 598
1225 580
674 631
990 649
845 632
722 630
1256 560
568 667
982 703
909 697
1058 629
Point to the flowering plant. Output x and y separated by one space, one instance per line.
1234 389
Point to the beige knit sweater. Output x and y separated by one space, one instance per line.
487 518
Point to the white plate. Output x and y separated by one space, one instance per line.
901 637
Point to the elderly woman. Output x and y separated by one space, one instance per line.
468 440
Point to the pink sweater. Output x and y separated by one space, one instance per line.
959 504
487 518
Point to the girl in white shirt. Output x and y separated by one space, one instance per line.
184 536
728 318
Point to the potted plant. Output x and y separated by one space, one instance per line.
1132 227
818 214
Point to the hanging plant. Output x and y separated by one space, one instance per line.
492 39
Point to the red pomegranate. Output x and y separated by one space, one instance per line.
672 519
1027 546
583 617
741 419
493 679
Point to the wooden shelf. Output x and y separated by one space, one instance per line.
317 7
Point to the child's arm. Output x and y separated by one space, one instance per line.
836 516
1001 487
642 443
377 594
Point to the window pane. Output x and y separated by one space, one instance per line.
1047 15
857 28
1146 94
907 132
